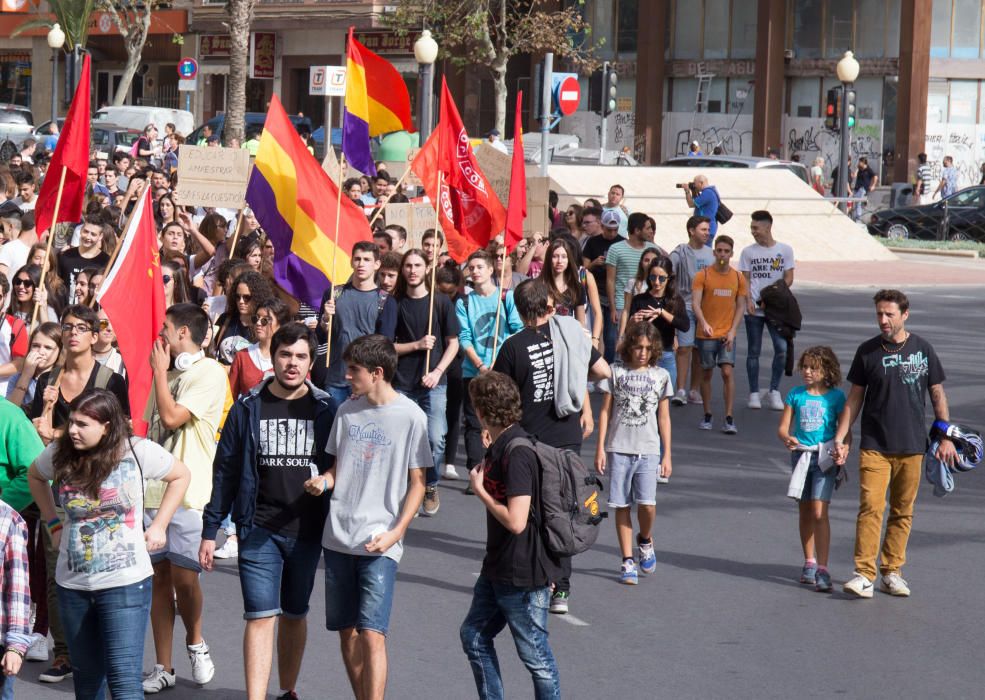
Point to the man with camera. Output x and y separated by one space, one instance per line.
705 200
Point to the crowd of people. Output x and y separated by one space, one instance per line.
310 434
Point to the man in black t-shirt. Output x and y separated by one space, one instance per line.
272 447
514 584
89 254
891 376
424 357
528 358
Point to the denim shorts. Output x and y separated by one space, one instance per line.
358 591
276 573
713 353
818 486
685 339
632 479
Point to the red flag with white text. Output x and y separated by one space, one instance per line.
132 295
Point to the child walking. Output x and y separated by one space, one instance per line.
634 422
810 418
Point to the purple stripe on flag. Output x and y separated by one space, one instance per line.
299 278
355 144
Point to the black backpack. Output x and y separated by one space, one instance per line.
571 508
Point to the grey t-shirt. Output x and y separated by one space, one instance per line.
357 313
688 262
636 395
374 447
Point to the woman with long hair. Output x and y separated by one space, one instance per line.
104 573
87 284
104 350
636 285
26 293
572 220
662 306
250 249
45 344
211 232
573 289
177 288
246 293
253 363
165 211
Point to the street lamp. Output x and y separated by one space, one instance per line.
426 53
847 70
56 40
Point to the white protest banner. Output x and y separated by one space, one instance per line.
212 177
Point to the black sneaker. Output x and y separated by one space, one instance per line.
289 695
559 602
59 671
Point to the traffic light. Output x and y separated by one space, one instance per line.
609 83
832 112
850 107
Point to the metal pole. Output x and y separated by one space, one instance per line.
188 102
328 125
545 114
844 178
605 102
425 75
54 85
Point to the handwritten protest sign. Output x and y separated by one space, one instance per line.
212 177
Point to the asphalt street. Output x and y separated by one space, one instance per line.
723 616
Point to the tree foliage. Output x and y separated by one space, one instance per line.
72 15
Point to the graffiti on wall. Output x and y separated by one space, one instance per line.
963 142
808 139
620 129
732 134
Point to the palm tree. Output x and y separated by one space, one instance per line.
73 17
240 21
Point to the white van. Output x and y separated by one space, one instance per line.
138 117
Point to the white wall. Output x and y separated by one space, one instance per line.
963 142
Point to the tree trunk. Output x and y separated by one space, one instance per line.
133 63
499 91
134 29
240 20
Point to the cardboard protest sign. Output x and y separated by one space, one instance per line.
212 177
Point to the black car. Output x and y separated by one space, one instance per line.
959 217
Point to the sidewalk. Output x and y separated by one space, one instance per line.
909 271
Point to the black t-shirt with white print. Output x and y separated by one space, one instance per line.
285 455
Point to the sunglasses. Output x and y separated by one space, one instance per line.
166 278
261 320
103 324
80 328
243 297
659 278
20 282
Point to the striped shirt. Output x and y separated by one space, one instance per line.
15 591
925 179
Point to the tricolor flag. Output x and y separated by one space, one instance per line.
295 202
376 102
132 295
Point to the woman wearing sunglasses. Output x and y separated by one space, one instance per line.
26 292
177 290
246 293
253 363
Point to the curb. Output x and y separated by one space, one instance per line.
931 251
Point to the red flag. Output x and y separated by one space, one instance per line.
516 210
72 155
470 212
132 295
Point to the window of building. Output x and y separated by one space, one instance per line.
940 28
838 28
805 97
627 16
718 95
684 92
963 102
870 42
892 28
937 102
807 23
687 29
743 29
716 28
966 33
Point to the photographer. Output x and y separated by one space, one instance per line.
705 200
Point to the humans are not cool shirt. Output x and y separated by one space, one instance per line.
765 266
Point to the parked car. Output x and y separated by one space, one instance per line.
798 169
959 217
41 130
253 120
111 137
134 117
16 123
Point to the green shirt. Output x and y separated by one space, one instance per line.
626 259
19 446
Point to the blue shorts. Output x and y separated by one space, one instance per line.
632 479
358 591
713 353
276 573
685 339
818 486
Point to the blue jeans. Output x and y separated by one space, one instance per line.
610 335
358 591
339 394
276 573
434 402
857 206
105 633
754 338
495 605
7 692
668 360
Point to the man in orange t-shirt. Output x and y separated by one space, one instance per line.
718 298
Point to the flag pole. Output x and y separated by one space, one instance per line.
119 241
51 240
335 255
507 270
434 262
379 211
239 225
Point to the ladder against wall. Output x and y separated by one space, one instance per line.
700 99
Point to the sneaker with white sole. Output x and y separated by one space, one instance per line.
158 680
559 602
694 397
754 401
894 584
228 550
728 427
628 573
38 651
706 423
860 586
680 398
450 473
202 667
648 558
663 479
774 400
432 502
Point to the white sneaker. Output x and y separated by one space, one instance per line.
894 584
705 424
774 400
680 398
754 402
663 479
228 550
694 397
450 473
158 680
38 651
860 586
202 667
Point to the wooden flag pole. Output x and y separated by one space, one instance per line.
119 241
335 256
507 270
51 240
379 210
239 224
434 262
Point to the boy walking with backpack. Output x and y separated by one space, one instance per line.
514 586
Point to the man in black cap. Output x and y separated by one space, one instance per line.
494 141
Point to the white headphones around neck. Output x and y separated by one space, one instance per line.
185 360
